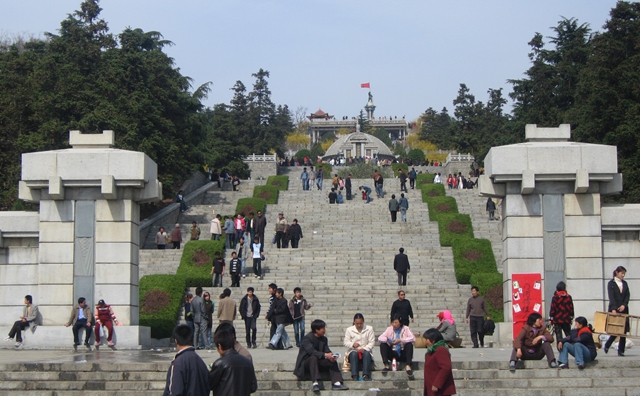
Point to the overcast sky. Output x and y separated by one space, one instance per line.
415 53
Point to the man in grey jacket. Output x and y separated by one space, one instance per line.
29 319
199 320
80 318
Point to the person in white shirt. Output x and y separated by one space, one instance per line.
359 341
257 257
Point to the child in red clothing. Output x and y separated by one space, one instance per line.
104 317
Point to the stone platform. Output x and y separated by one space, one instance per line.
476 372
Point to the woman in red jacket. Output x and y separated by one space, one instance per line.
438 376
105 317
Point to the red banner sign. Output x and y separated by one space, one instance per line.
526 298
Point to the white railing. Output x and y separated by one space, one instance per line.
261 158
459 158
353 122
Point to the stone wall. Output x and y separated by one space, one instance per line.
19 274
262 170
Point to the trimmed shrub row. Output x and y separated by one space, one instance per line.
473 258
248 205
441 205
161 295
267 192
424 178
280 182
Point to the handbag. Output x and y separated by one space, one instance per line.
457 342
169 239
273 240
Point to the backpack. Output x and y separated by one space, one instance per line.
489 327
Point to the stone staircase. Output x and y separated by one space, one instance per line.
475 206
472 378
153 261
347 247
345 261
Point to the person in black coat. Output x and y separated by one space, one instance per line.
403 308
347 186
295 234
618 303
402 267
187 374
232 374
314 355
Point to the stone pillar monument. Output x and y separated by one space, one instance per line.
551 190
89 199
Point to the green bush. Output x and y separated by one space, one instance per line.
397 167
301 154
431 190
280 182
268 193
424 178
162 322
472 256
440 205
194 274
454 226
416 155
490 285
248 205
327 170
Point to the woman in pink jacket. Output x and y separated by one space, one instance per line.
397 343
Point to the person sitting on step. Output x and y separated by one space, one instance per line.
447 326
533 343
396 343
579 344
359 341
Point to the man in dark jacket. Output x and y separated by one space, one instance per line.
403 180
403 308
314 355
401 266
271 318
249 311
260 224
232 374
412 178
347 186
295 234
187 374
279 312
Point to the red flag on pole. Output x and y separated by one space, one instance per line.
365 85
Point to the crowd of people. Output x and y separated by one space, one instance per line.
396 345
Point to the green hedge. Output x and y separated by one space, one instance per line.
424 178
193 275
163 322
397 167
429 189
280 182
248 205
490 285
445 221
436 209
269 193
327 170
471 256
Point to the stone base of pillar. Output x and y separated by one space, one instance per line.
61 337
